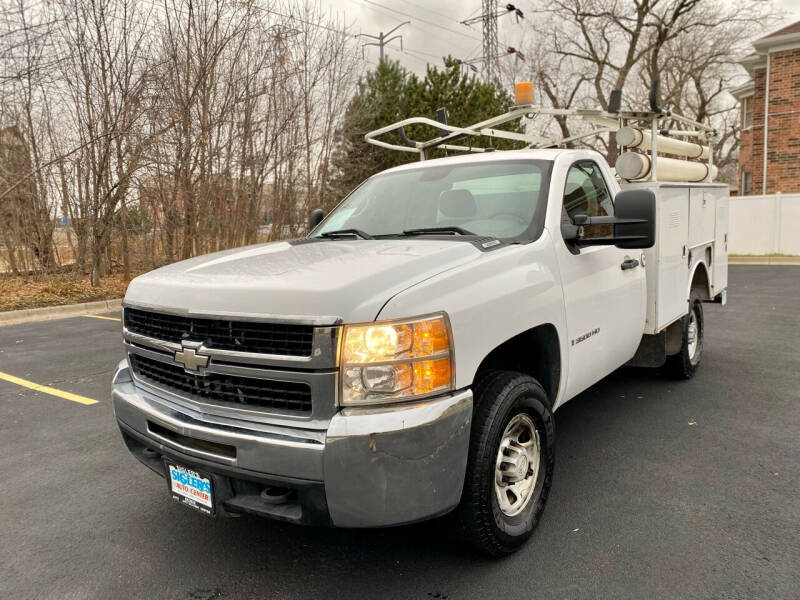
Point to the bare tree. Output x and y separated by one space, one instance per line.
104 71
252 94
168 128
27 224
587 48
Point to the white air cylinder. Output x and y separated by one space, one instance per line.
633 137
632 166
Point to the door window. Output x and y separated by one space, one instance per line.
586 193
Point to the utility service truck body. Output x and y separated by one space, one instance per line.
405 358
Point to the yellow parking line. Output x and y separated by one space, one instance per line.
47 389
106 318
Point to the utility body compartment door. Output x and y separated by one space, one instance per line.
668 260
720 266
604 302
702 216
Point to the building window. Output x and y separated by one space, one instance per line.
747 183
747 112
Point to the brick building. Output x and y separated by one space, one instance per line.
774 70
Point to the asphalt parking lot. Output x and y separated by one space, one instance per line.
662 489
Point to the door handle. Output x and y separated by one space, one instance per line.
629 263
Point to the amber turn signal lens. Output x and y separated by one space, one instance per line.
431 375
523 93
430 337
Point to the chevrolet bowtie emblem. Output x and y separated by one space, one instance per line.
190 359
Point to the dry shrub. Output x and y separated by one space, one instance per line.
18 292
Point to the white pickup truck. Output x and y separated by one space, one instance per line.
406 359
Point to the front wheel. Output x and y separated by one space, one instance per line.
510 465
684 364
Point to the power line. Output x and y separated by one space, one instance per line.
474 50
290 17
410 54
431 54
425 8
414 26
399 12
496 54
472 14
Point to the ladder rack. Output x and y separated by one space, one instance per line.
652 122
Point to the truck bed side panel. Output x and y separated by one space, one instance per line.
691 227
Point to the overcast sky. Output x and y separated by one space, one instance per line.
436 28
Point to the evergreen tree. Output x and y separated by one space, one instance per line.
391 93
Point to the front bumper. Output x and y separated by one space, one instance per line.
372 467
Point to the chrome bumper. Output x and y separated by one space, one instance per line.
379 467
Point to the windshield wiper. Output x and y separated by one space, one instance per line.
434 230
340 232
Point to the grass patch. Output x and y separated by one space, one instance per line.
34 291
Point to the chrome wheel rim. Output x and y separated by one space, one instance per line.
692 336
517 465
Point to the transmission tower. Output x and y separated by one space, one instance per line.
491 50
490 67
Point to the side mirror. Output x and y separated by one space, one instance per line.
634 223
636 211
316 218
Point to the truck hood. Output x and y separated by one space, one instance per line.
346 279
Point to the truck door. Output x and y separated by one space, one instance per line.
604 286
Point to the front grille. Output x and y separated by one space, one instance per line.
230 389
243 336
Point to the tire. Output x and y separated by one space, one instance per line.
509 407
685 364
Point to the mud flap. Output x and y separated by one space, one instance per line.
652 351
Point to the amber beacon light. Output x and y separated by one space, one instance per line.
523 92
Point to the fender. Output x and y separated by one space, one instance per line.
700 271
491 300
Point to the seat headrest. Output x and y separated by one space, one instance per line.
573 190
457 204
574 194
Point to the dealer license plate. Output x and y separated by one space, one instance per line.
191 488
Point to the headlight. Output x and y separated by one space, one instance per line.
396 360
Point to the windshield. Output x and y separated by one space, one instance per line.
502 199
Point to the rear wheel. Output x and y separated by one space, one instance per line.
510 466
684 364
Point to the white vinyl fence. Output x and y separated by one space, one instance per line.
764 224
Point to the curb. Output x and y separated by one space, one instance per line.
765 260
50 313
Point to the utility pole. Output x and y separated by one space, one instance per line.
383 39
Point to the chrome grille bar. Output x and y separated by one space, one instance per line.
283 339
241 384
